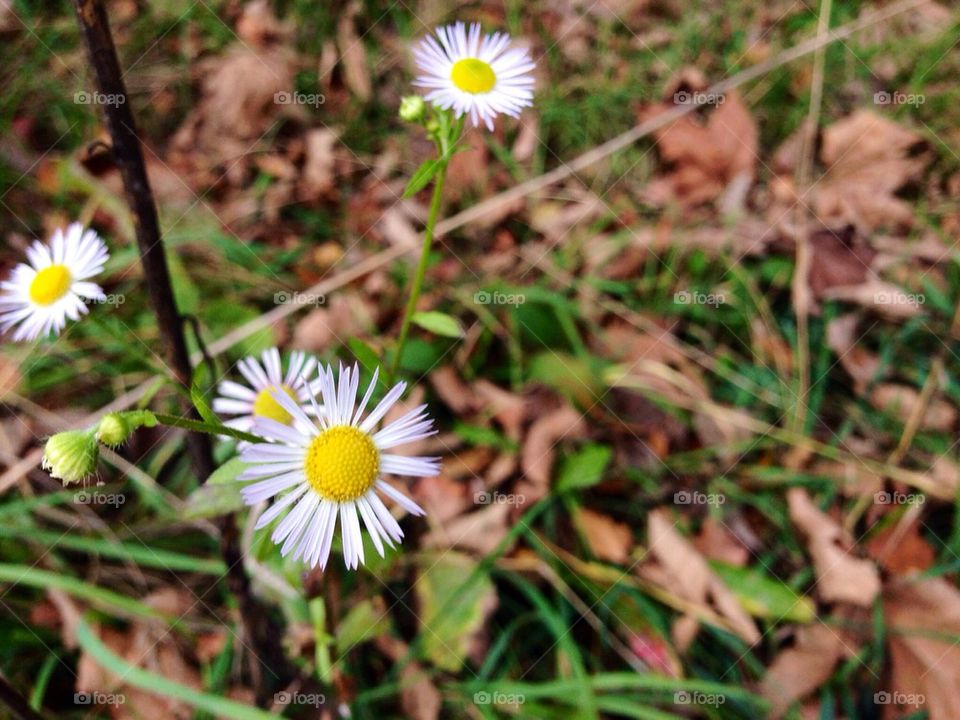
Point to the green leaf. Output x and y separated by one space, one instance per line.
422 177
363 622
446 637
763 596
572 376
199 393
364 353
219 495
584 468
438 323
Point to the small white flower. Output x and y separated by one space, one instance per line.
332 467
257 400
478 77
52 286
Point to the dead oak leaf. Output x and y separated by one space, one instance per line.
705 156
868 159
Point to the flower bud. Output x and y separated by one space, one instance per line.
412 108
71 456
116 427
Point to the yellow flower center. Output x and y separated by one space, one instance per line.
342 463
266 406
473 76
50 284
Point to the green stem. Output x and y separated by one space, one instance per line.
205 427
421 268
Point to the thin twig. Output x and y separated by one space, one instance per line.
128 156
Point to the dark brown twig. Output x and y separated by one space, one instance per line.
128 156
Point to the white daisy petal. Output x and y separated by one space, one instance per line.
475 76
318 473
50 288
402 500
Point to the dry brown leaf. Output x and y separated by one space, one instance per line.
319 162
705 157
859 363
868 159
539 449
841 577
902 551
608 539
901 401
802 668
688 575
923 620
356 75
508 409
419 697
839 259
716 542
479 531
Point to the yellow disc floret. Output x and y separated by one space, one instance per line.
473 76
50 284
342 463
266 406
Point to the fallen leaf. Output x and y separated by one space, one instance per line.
539 449
688 575
705 157
923 624
901 401
608 539
868 159
841 577
802 668
902 551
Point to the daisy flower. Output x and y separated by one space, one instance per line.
478 77
332 467
257 400
52 286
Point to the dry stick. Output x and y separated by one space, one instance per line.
804 254
128 156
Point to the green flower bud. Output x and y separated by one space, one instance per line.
116 427
412 108
71 456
